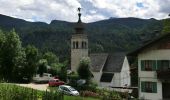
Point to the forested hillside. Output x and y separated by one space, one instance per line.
115 34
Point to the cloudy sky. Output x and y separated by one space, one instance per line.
92 10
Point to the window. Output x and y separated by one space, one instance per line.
74 45
66 89
84 45
149 87
148 65
106 77
163 64
77 45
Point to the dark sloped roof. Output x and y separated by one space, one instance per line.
97 61
114 62
107 62
151 42
106 77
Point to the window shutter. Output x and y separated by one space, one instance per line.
154 65
154 87
142 65
142 86
158 64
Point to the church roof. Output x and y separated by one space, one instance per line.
114 62
97 61
107 62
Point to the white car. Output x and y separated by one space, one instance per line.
68 90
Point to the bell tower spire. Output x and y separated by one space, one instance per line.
79 27
79 14
79 43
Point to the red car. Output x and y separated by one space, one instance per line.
55 82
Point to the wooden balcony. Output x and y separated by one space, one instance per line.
163 74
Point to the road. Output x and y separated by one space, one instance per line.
42 87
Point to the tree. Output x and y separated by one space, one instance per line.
84 69
31 61
51 58
13 57
166 26
63 71
42 67
2 39
2 43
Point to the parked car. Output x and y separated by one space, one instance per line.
68 90
55 82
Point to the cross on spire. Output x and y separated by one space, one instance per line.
79 14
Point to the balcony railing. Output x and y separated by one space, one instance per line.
163 74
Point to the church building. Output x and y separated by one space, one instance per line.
109 70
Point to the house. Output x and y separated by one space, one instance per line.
110 70
107 69
154 69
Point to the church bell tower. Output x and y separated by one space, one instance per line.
79 44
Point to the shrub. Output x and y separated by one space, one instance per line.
89 94
14 92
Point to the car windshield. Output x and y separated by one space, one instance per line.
71 89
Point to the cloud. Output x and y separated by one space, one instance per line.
164 6
92 10
129 8
41 10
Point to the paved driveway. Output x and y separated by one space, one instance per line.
42 87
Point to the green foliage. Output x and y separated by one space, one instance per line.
104 36
14 92
2 44
166 28
73 78
31 61
84 69
89 94
22 63
2 40
51 58
42 67
108 94
63 71
12 57
78 98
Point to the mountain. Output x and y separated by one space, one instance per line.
114 34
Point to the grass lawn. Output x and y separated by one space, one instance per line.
66 97
78 98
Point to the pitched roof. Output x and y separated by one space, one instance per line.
114 62
156 40
107 62
97 61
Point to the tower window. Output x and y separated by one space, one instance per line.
85 45
77 45
82 45
74 45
